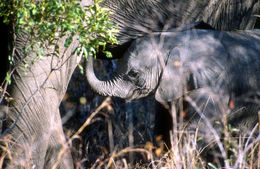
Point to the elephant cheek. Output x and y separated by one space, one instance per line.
162 101
133 95
160 97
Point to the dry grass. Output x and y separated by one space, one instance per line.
241 152
118 136
114 152
121 136
107 133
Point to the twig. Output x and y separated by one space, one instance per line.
124 151
110 134
61 153
105 103
212 130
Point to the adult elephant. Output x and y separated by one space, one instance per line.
34 121
137 18
33 126
208 69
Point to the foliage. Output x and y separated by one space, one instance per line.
50 20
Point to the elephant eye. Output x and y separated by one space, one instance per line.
132 74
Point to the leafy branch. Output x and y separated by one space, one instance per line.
50 20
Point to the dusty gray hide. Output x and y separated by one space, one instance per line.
208 69
34 121
136 18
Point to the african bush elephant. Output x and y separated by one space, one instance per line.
209 69
34 122
135 18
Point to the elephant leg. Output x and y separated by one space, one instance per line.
58 151
28 150
58 154
26 156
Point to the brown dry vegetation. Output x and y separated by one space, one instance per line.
108 133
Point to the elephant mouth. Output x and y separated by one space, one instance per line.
137 94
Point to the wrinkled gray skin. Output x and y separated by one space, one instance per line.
37 131
33 121
135 18
209 68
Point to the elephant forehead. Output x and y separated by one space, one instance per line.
143 53
147 60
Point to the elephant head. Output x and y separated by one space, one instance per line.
136 77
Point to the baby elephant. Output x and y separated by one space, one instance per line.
205 73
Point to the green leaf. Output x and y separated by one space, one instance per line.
85 52
40 52
34 11
68 42
108 54
49 21
8 78
81 68
10 58
23 68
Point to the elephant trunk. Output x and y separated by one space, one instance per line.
114 87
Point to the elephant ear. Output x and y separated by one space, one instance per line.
172 80
196 59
